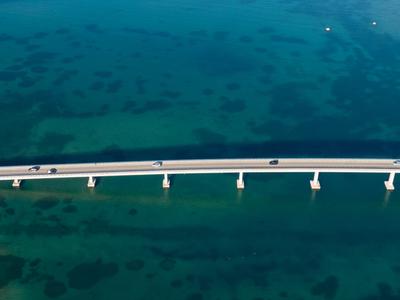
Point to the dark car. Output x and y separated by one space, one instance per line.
52 171
273 162
34 169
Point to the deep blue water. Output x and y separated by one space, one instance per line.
85 81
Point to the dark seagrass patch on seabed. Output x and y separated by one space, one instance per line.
79 93
62 31
233 86
40 35
86 275
385 292
3 203
103 74
167 264
265 30
170 94
94 28
195 296
288 39
208 92
38 69
326 288
39 58
246 39
133 211
8 76
54 288
97 85
134 265
34 263
32 47
233 106
10 211
114 86
152 105
177 283
70 209
10 269
46 203
27 82
64 76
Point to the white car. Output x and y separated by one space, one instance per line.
396 162
157 164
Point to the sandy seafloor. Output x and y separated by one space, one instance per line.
84 81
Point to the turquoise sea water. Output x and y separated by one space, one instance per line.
84 81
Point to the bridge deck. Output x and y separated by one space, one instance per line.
287 165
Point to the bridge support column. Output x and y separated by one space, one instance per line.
389 183
166 182
315 182
91 182
16 183
240 181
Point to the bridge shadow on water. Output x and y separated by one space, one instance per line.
278 149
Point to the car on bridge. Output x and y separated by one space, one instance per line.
157 164
52 171
273 162
34 169
396 162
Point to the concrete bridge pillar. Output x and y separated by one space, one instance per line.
166 182
315 182
240 181
389 183
16 183
91 182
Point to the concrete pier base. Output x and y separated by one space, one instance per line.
166 182
240 182
315 185
389 183
16 183
91 182
389 186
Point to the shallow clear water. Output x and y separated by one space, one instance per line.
132 80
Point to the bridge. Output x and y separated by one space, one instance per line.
315 166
